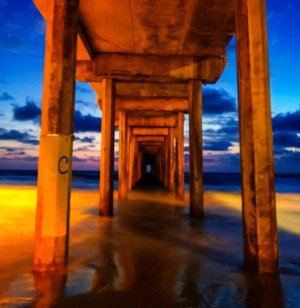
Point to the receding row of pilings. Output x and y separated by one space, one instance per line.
150 140
55 156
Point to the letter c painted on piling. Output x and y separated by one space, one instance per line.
66 160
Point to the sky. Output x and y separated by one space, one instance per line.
22 40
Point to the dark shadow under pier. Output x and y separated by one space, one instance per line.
148 183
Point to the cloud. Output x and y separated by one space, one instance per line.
11 149
6 97
83 123
84 148
27 112
81 102
221 162
217 145
87 123
17 136
83 90
217 102
86 139
286 139
289 121
21 162
222 137
77 159
288 162
230 127
14 154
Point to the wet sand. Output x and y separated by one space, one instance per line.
151 254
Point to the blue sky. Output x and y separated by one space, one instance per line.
22 36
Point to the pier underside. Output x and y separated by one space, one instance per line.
147 62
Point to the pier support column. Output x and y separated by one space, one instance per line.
176 162
161 164
123 186
167 163
172 166
140 171
180 157
55 152
131 159
129 162
258 195
195 130
107 149
135 161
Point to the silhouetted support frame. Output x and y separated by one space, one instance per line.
135 161
196 157
172 165
56 141
131 157
180 157
123 185
257 163
167 163
107 149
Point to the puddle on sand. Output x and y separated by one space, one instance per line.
45 290
151 254
21 292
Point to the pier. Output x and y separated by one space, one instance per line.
147 62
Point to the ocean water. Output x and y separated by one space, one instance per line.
221 181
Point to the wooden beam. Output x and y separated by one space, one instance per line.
137 115
155 131
152 89
152 68
165 121
149 147
152 104
151 113
147 104
144 143
150 138
179 90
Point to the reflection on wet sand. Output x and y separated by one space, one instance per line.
50 287
264 291
151 254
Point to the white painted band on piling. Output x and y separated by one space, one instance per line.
54 182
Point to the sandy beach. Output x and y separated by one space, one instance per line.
151 254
